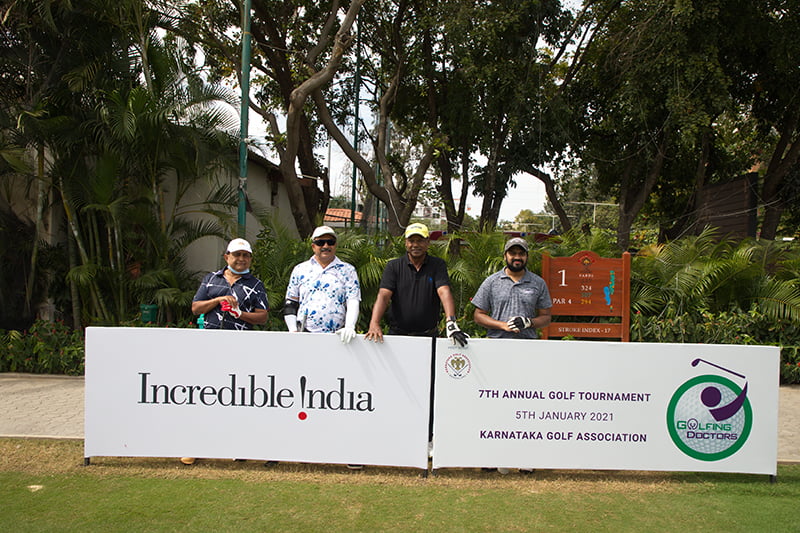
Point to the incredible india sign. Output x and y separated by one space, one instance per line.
256 395
603 405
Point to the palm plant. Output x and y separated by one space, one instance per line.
480 255
369 254
600 241
119 108
275 253
706 273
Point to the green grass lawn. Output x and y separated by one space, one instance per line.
44 487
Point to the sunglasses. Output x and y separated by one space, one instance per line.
322 242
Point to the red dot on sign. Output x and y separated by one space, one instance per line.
302 415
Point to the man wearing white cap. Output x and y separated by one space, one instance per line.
514 302
232 298
323 295
415 284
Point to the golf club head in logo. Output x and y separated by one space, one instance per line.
709 417
457 365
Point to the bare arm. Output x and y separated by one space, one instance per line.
204 306
448 303
543 318
255 317
482 318
375 332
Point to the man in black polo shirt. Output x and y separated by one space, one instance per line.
415 285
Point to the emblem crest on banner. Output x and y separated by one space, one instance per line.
457 365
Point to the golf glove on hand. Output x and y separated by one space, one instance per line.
518 323
225 306
347 334
455 334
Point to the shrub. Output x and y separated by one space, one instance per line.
790 364
752 327
46 348
688 291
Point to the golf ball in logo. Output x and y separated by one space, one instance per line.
709 417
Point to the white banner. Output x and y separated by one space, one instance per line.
299 397
606 405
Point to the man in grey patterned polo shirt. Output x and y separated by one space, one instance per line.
514 302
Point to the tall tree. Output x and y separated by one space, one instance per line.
651 97
299 46
493 87
117 108
761 57
387 35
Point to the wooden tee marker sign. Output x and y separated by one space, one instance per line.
589 285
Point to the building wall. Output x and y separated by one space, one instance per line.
267 198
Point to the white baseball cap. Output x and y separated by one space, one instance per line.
238 245
322 230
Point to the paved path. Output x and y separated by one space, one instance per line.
41 406
52 407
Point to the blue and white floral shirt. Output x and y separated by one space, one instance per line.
323 293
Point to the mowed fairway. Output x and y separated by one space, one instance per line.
45 487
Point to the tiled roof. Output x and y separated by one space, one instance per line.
334 214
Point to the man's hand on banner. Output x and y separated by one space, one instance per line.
455 334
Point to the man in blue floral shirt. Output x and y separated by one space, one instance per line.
323 295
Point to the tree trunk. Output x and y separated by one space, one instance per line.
785 156
552 195
632 199
40 196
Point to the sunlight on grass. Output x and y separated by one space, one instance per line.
160 494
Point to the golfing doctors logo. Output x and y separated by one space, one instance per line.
709 417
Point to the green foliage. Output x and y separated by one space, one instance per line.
46 348
696 290
597 240
750 328
790 364
479 255
705 273
708 290
275 254
129 125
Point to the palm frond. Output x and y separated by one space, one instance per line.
778 299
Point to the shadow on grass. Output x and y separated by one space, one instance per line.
43 456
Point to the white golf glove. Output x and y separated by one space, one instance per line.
455 334
518 323
348 332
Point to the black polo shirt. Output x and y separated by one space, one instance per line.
415 303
